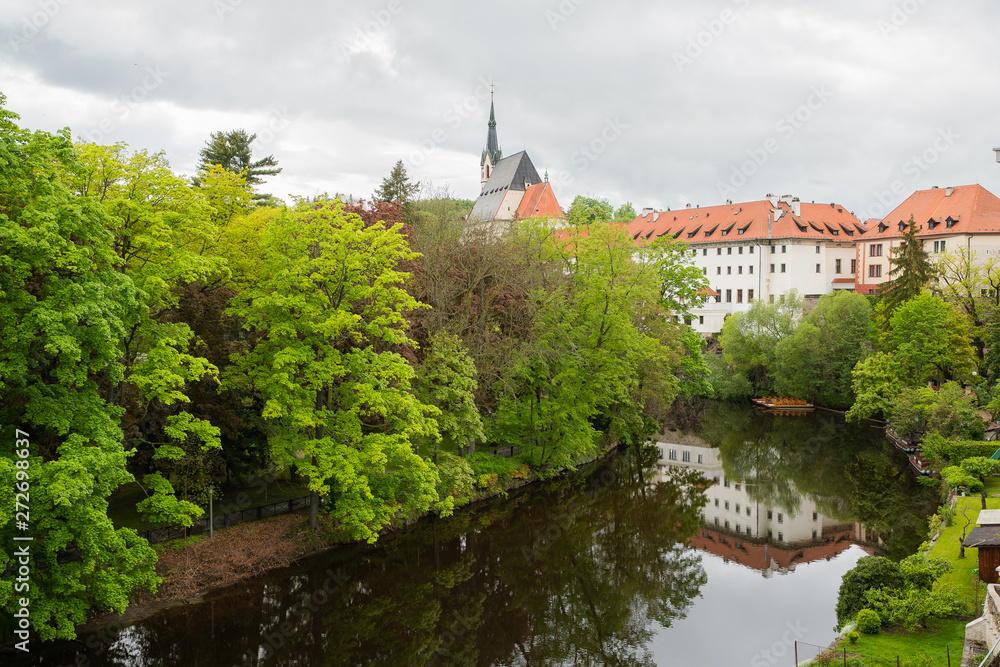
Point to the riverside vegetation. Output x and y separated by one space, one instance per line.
174 334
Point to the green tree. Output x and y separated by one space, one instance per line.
65 308
930 338
876 385
397 187
870 573
447 380
587 211
815 363
330 311
911 270
625 213
750 339
232 151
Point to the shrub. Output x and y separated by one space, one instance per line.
457 478
487 480
852 636
870 573
922 571
981 467
868 621
956 476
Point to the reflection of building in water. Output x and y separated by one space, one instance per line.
740 529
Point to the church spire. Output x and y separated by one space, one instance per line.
492 151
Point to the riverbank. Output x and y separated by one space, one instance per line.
193 567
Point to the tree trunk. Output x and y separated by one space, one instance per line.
314 511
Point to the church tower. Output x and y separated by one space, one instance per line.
492 152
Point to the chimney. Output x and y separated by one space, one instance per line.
997 150
948 191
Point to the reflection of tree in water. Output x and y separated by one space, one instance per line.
849 471
575 574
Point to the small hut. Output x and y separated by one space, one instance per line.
986 539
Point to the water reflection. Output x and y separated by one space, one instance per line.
593 569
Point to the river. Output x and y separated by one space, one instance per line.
721 543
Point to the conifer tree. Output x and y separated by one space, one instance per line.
911 270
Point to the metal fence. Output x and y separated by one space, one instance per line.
200 526
811 655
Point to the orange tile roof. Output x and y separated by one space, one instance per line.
539 202
751 553
969 209
749 220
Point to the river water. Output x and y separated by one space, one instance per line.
721 543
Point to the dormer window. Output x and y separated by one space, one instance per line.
950 222
902 226
932 223
882 227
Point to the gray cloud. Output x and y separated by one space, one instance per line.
695 90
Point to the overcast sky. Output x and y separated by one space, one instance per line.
657 103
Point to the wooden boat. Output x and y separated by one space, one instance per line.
783 404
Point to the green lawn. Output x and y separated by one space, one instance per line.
921 648
121 505
962 578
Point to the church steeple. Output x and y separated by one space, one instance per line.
492 152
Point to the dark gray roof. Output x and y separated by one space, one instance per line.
983 536
514 172
492 145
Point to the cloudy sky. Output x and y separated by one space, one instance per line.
657 103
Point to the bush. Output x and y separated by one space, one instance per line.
457 478
868 622
955 477
981 467
871 572
922 571
852 636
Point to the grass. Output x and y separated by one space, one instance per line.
926 647
123 514
962 577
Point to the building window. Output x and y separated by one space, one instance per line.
875 271
716 521
727 524
700 459
739 270
686 457
701 319
718 270
782 268
854 266
815 516
772 268
750 295
750 269
738 528
774 249
818 269
748 530
748 511
781 536
694 252
937 247
739 296
817 248
771 299
725 483
836 266
751 250
729 296
729 270
704 252
781 517
769 515
673 454
741 250
875 250
814 534
737 507
737 487
784 248
729 251
769 534
727 504
704 270
716 502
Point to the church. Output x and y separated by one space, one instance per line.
511 187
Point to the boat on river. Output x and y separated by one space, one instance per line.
783 405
